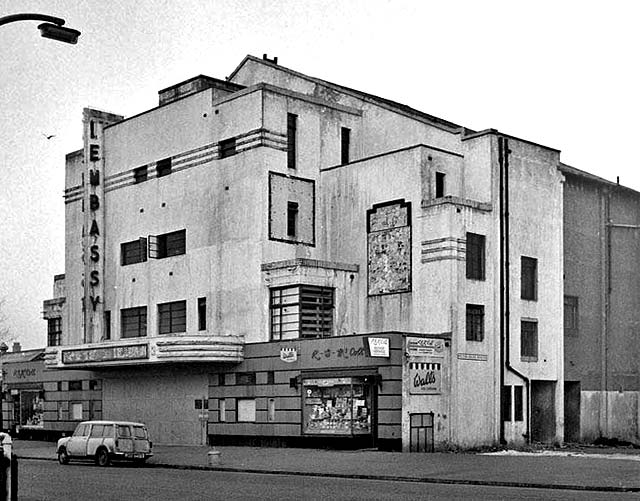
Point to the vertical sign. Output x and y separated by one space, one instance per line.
94 122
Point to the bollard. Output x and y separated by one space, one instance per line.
213 458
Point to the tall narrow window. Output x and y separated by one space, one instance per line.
570 316
291 140
202 313
475 322
529 341
440 184
505 399
107 325
222 410
475 256
163 167
292 219
518 403
529 278
54 331
345 140
172 317
133 322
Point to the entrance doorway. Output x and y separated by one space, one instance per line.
572 411
421 432
543 411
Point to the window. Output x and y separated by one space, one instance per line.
133 252
124 431
246 378
247 410
475 322
222 410
133 322
76 415
163 167
440 184
54 331
75 385
571 315
292 219
202 313
222 379
227 147
271 377
94 384
529 341
172 317
97 430
301 311
291 140
82 430
140 174
529 278
475 256
505 400
168 244
107 325
345 140
60 386
518 403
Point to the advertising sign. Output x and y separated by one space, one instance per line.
378 347
421 346
425 378
131 352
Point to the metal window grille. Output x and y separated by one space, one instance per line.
54 331
529 279
302 311
529 340
475 256
168 244
133 252
475 322
227 147
172 317
133 322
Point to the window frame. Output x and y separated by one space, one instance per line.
164 167
571 317
529 340
202 313
177 321
319 302
474 322
293 210
54 331
240 418
140 174
476 256
139 312
168 245
133 252
440 184
227 148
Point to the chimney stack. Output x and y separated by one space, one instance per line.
17 348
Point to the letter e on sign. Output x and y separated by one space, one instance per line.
94 152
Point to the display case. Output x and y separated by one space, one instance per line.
337 406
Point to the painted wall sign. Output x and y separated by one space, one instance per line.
24 372
478 357
421 346
289 354
378 346
425 377
132 352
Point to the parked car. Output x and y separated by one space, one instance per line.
104 441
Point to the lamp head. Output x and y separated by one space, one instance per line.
60 33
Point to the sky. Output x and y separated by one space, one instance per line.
560 73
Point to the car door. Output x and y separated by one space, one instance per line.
124 440
95 439
140 441
77 444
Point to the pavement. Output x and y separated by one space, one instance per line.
579 468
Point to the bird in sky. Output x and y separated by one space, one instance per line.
48 136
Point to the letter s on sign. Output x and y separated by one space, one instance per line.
95 278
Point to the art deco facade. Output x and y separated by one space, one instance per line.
277 258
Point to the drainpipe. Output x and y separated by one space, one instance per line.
505 294
605 244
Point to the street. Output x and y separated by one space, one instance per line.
47 480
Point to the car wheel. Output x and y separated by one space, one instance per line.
63 457
102 457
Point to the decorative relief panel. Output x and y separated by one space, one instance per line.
389 247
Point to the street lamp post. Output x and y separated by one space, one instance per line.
52 27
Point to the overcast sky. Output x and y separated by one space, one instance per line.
560 73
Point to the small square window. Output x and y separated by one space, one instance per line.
246 378
227 147
163 167
140 174
172 317
75 385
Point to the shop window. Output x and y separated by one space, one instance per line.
475 256
76 414
337 406
292 126
75 385
247 410
54 331
134 322
475 322
202 313
518 403
345 141
245 378
301 311
140 174
31 409
168 244
529 278
222 410
133 252
570 316
172 317
529 341
163 167
440 177
227 147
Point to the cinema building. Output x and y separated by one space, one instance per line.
273 258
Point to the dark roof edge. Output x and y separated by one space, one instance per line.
567 169
498 133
